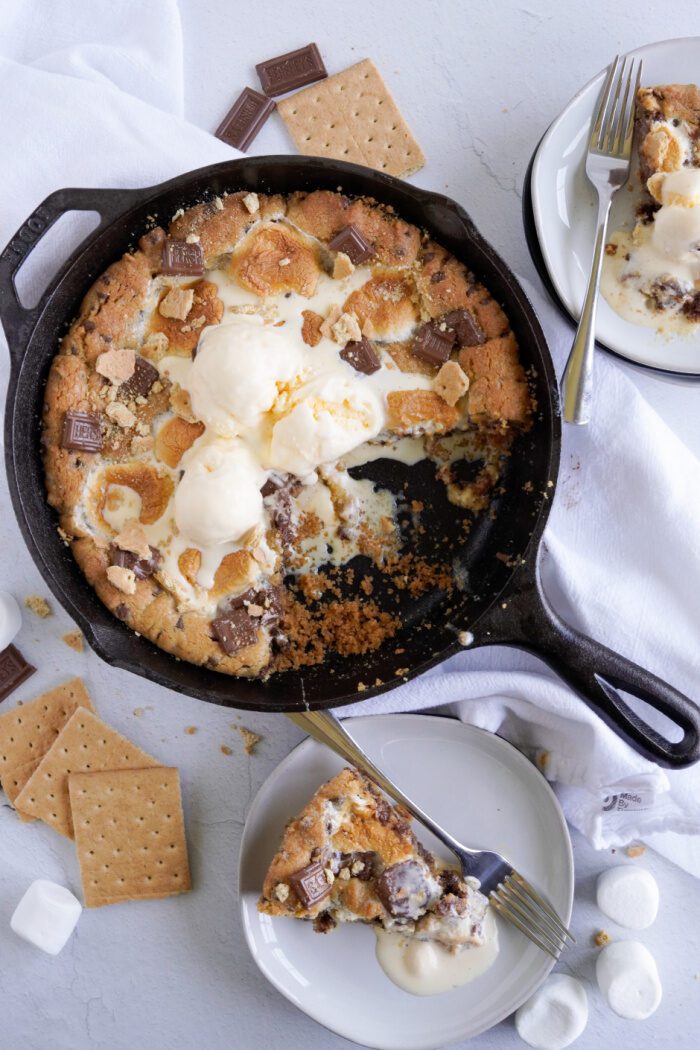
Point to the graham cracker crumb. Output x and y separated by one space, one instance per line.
38 605
635 851
601 938
74 640
250 739
342 266
226 750
190 730
177 303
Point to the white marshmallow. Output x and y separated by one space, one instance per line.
628 978
10 619
555 1015
46 916
629 896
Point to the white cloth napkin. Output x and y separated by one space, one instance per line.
92 96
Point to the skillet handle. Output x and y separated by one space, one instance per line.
593 671
16 320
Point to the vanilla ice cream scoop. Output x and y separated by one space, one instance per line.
676 233
327 418
628 978
218 499
555 1015
238 372
629 896
680 187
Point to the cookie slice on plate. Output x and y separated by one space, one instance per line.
351 857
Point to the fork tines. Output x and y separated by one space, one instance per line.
518 902
614 122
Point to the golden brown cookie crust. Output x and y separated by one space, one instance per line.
121 310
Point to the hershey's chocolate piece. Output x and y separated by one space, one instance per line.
310 884
143 378
433 345
362 356
403 890
14 670
235 630
81 432
291 71
351 241
181 259
282 518
272 485
269 599
245 118
142 568
466 328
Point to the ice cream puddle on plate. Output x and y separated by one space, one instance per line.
272 406
430 968
651 276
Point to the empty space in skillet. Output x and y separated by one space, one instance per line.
429 624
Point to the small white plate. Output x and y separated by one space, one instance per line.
481 789
564 207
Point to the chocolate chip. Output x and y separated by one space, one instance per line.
369 861
324 923
182 259
142 568
466 328
383 811
235 630
271 485
291 71
351 241
452 883
438 276
432 344
245 119
14 670
142 379
89 326
310 884
82 432
122 611
362 356
403 889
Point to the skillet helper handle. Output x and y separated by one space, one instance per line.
16 319
597 674
327 729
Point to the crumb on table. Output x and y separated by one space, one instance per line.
636 851
38 605
250 739
601 938
74 640
190 730
226 750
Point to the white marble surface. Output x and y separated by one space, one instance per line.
479 83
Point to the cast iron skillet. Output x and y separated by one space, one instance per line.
502 604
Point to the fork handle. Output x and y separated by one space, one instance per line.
577 382
326 728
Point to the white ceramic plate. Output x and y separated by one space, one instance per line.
481 789
564 207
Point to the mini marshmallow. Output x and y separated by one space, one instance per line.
628 978
555 1015
10 619
46 916
629 896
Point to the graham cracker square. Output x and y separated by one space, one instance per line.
129 834
29 730
85 744
352 116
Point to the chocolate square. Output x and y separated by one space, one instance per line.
143 378
291 71
310 884
142 568
235 630
181 259
353 244
466 328
432 344
14 670
81 432
245 119
362 356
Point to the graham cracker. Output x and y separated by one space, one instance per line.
129 834
352 116
29 730
85 744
